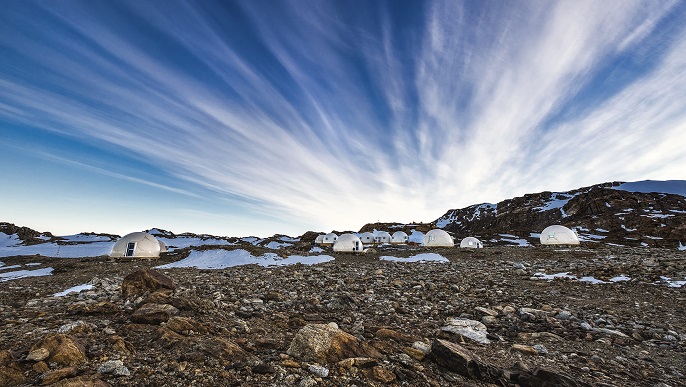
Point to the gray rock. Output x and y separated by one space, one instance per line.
585 326
114 367
319 371
563 315
470 329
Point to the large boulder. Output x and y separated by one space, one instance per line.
62 349
154 313
328 344
145 280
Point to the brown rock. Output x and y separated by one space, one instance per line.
120 345
383 375
63 349
81 381
145 280
529 350
328 344
290 363
153 313
384 333
57 375
185 325
267 342
10 372
414 353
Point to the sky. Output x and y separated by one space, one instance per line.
260 117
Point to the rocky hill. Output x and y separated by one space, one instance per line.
599 213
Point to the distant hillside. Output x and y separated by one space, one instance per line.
608 213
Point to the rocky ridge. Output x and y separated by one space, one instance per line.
599 214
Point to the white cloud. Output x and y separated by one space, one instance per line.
461 117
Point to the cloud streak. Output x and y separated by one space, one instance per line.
335 118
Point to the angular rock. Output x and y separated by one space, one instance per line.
114 367
458 359
145 280
63 349
184 325
529 350
328 344
38 354
467 328
385 333
153 313
10 372
415 353
51 377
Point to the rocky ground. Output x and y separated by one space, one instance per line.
481 319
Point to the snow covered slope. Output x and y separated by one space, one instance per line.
676 187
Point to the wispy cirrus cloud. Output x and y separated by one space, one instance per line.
333 117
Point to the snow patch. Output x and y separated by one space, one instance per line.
94 249
8 240
221 259
677 187
589 279
74 289
425 257
673 283
12 275
274 245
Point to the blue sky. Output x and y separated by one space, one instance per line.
261 117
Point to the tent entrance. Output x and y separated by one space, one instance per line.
130 248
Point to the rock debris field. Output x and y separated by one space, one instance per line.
498 316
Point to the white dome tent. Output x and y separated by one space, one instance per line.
438 238
319 240
329 239
399 237
367 238
471 243
138 245
558 235
348 243
383 237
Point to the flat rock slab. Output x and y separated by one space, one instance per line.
470 329
328 344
